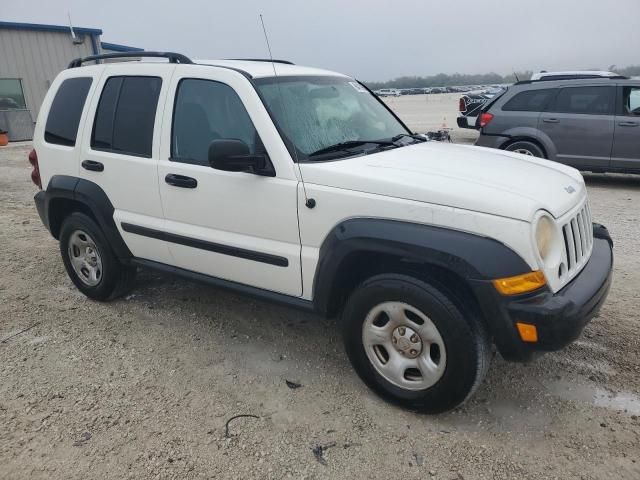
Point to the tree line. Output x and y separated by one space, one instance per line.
459 79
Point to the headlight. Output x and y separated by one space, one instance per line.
545 236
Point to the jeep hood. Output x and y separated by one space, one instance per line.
467 177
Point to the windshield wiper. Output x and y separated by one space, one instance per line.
350 144
403 135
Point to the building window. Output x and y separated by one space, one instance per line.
11 94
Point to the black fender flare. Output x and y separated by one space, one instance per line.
93 198
469 256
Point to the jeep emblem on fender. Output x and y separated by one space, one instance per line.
570 189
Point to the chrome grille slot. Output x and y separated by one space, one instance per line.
570 246
578 241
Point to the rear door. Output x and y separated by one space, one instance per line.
580 124
120 149
626 140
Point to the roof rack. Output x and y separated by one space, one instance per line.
552 78
286 62
173 57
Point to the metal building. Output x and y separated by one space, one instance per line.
31 55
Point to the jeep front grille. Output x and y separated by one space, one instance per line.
578 242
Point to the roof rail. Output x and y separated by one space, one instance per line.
552 78
286 62
173 57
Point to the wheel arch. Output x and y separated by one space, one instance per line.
517 139
359 248
66 194
533 135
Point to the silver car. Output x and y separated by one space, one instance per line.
591 123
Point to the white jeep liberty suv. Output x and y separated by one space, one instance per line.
298 185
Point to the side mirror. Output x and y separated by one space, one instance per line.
233 155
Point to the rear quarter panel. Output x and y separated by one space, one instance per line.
60 159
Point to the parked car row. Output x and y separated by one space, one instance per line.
396 92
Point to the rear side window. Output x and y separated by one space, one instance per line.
530 101
66 109
126 114
585 100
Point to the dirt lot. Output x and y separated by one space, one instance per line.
142 387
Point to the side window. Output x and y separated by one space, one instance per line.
530 101
126 114
585 100
631 101
204 111
66 110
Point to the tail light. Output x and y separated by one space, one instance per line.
485 119
462 106
35 173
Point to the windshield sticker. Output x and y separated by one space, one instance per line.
358 87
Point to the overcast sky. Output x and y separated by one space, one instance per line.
371 40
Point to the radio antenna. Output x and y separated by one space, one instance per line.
309 202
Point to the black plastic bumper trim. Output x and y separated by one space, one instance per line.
208 246
560 317
40 200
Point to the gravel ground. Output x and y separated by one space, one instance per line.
142 387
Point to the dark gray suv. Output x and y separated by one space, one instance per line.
592 124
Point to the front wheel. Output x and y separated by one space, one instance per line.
411 344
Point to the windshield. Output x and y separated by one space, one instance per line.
319 112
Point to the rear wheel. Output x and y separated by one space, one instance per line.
526 148
90 262
411 344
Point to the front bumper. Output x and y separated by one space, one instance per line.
559 318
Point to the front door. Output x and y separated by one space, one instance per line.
236 226
580 123
626 141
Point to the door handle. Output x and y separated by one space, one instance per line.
628 124
180 181
550 120
93 166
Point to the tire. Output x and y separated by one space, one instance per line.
461 355
526 148
90 263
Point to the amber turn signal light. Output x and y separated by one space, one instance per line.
524 283
528 333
